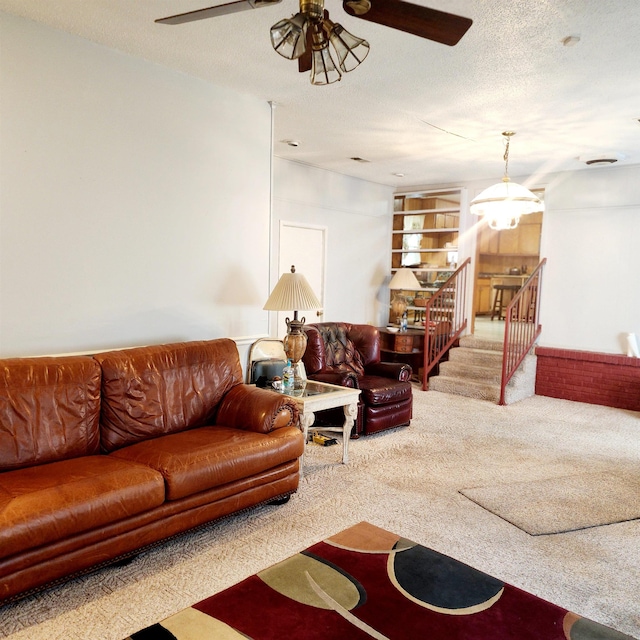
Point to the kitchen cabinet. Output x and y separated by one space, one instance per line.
483 298
500 251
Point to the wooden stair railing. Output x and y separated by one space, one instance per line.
445 319
522 326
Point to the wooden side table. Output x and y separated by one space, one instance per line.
403 346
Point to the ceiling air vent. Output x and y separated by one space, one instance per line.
602 159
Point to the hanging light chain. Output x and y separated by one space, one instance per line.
507 135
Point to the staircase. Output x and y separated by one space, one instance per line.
474 369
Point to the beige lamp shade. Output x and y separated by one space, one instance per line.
404 279
292 293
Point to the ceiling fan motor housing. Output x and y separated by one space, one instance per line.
313 9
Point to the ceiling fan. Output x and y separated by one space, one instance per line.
306 36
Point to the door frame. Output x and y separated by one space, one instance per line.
276 320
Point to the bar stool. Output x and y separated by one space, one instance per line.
499 302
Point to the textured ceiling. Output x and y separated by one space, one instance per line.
432 112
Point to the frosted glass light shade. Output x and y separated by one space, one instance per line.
292 293
404 279
288 37
503 204
351 50
323 69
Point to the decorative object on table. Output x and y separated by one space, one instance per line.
403 279
306 36
503 203
368 582
293 293
288 377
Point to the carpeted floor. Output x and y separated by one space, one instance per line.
407 481
563 503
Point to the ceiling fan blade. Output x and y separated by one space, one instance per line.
219 10
446 28
305 60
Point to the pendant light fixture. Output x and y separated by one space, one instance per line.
503 203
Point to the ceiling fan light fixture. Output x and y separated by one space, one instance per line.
350 49
289 36
323 66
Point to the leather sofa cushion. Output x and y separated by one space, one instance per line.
377 390
340 352
387 416
350 347
53 501
208 457
49 410
153 391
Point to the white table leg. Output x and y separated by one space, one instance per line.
306 420
350 413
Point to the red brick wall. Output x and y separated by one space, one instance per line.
583 376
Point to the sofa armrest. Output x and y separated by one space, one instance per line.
397 370
341 378
254 409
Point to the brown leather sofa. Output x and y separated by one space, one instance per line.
349 355
103 456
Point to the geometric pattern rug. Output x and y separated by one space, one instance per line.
559 505
366 583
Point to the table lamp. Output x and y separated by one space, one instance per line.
293 293
402 279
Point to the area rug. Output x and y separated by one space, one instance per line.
366 582
559 505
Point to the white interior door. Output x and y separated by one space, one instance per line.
303 246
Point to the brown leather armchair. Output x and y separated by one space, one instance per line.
349 355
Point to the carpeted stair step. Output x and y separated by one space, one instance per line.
474 342
476 357
474 370
461 369
466 387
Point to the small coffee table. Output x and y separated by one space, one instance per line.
316 396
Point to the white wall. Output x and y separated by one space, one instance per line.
357 215
591 237
134 208
134 201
